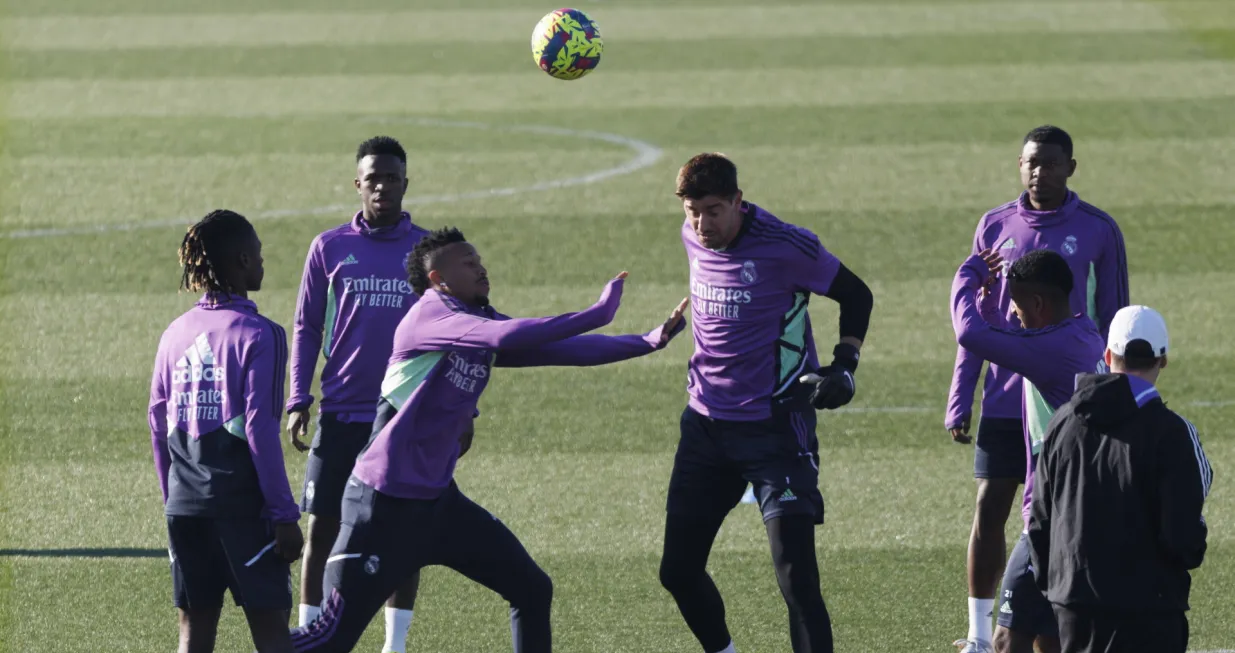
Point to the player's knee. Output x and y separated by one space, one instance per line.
676 578
322 534
994 503
534 593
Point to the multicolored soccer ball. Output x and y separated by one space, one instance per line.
566 44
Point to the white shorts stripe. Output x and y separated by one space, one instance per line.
259 554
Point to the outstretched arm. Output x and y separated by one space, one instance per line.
458 329
595 349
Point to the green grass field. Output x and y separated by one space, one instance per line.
886 128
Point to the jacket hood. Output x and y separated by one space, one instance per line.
1105 401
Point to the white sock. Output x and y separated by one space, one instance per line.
981 612
308 613
728 649
397 624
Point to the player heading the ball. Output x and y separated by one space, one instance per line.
754 384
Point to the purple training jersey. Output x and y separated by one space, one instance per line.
444 353
1046 361
353 294
216 403
748 307
1091 243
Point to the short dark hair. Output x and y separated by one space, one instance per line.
420 260
1044 269
1050 135
208 247
710 173
379 146
1138 356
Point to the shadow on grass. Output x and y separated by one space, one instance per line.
84 553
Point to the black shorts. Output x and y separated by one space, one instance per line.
1022 606
717 458
336 445
383 540
210 556
1000 449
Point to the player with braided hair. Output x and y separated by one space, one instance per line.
216 401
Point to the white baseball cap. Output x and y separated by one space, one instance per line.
1133 323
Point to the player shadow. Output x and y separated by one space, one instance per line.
84 553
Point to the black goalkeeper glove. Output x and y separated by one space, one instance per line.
834 385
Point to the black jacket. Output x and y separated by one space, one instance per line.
1116 514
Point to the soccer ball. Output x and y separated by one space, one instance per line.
566 44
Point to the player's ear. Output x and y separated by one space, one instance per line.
356 182
1162 363
1072 167
435 278
1106 358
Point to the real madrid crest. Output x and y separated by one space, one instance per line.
749 275
372 565
1069 245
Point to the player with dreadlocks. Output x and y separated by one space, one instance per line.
401 508
216 401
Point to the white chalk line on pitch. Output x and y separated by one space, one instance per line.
645 154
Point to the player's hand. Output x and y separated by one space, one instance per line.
298 428
834 387
834 384
994 265
611 297
674 324
960 434
288 540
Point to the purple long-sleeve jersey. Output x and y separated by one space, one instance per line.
1092 244
749 314
216 402
353 293
444 353
1047 359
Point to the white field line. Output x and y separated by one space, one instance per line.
645 154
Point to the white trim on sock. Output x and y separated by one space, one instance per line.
398 622
308 613
728 649
981 615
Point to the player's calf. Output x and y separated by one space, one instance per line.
269 630
322 534
198 628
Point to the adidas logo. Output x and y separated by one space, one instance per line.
788 495
1008 244
350 260
197 364
1006 608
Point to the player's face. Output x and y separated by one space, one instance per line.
381 182
462 274
252 264
1045 170
1029 307
715 220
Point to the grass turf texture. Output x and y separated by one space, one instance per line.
886 127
